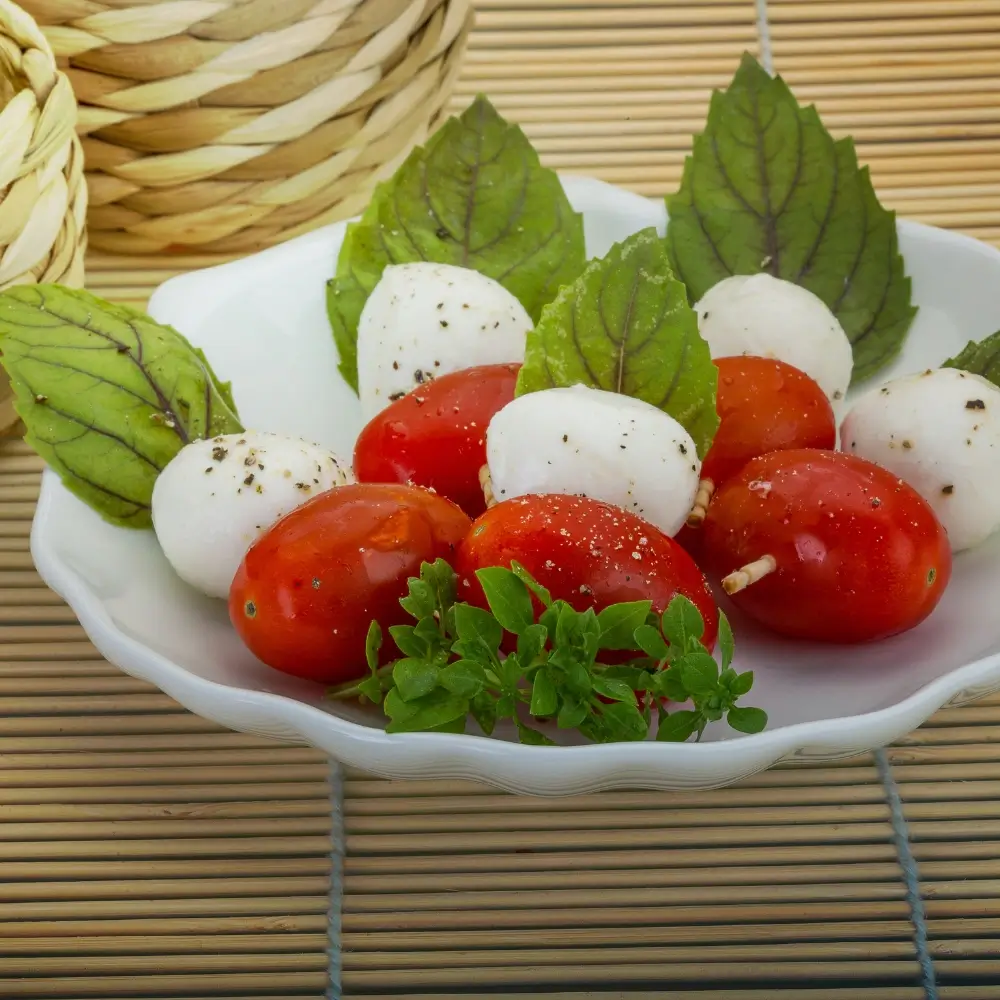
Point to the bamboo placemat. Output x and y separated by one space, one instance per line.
146 853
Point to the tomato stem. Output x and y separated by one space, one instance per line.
751 573
706 489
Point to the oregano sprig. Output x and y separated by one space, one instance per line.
455 663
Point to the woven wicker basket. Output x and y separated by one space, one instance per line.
43 198
228 125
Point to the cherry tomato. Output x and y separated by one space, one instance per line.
309 588
765 405
857 554
435 436
585 552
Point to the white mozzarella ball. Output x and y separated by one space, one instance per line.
765 316
216 498
587 442
939 432
423 320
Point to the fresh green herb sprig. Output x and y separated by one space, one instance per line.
452 665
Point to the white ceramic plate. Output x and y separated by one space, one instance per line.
262 323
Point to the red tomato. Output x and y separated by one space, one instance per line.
585 552
765 405
435 436
308 589
858 555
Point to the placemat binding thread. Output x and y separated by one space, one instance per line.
333 988
911 876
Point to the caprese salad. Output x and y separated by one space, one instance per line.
566 465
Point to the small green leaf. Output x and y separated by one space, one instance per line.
743 683
767 189
677 726
700 672
619 622
747 720
508 598
420 601
511 671
549 619
670 684
530 643
636 678
544 700
475 195
407 641
649 640
532 737
373 643
727 646
982 358
414 678
108 396
572 713
682 624
465 678
623 722
616 690
484 710
474 624
625 326
371 688
531 583
397 709
431 712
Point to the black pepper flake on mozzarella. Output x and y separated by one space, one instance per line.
948 490
975 404
219 453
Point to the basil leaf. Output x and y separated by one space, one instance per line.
465 678
484 710
682 624
508 598
108 396
625 326
727 645
616 690
747 720
649 640
544 700
742 684
981 358
670 684
414 678
766 188
531 583
373 643
532 737
572 714
619 622
477 626
699 672
475 195
677 726
408 642
623 722
431 712
530 643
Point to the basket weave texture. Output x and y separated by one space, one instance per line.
228 125
43 197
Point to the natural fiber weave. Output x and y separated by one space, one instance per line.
229 125
43 200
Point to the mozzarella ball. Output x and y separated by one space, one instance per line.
764 316
215 498
587 442
939 432
423 320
